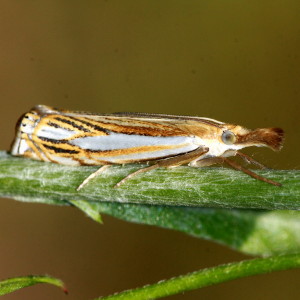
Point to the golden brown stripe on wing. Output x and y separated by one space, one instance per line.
135 150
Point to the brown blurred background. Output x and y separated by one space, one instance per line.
235 61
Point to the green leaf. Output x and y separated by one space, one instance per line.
14 284
89 209
28 180
208 277
249 231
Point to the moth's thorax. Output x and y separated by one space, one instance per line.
210 135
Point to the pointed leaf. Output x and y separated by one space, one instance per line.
89 209
14 284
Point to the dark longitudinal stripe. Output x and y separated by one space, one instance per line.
72 124
91 125
53 141
55 125
60 150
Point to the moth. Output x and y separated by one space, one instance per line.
80 138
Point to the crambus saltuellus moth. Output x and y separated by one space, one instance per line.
78 138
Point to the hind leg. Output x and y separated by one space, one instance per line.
169 162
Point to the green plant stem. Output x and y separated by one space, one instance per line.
28 180
209 277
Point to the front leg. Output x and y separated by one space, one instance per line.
220 160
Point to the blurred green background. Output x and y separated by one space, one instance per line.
235 61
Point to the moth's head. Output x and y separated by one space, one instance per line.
262 137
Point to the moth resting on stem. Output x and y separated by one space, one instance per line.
80 138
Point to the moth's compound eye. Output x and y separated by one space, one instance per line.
228 137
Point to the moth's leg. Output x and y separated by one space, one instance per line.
136 173
206 162
250 173
169 162
219 160
248 159
93 175
183 158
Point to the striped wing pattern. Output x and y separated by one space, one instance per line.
73 139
